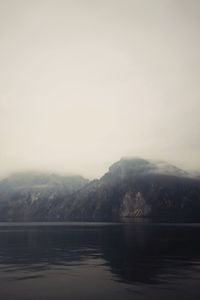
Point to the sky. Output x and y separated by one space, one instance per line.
86 82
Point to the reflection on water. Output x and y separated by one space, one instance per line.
99 261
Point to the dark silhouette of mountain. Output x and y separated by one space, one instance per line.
30 195
131 188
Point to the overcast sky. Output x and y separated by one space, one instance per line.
85 82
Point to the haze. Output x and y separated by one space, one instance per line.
83 83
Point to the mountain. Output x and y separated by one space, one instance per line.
30 195
132 187
139 188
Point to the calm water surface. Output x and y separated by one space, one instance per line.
94 261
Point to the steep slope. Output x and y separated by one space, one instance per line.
138 188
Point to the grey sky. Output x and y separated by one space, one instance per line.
83 83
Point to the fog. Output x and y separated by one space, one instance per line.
83 83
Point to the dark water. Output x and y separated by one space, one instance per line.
99 261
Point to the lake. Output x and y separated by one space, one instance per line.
99 261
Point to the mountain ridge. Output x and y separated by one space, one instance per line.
132 187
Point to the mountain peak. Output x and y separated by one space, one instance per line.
132 165
140 166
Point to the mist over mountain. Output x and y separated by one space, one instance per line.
132 187
39 180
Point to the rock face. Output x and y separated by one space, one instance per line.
131 188
134 205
